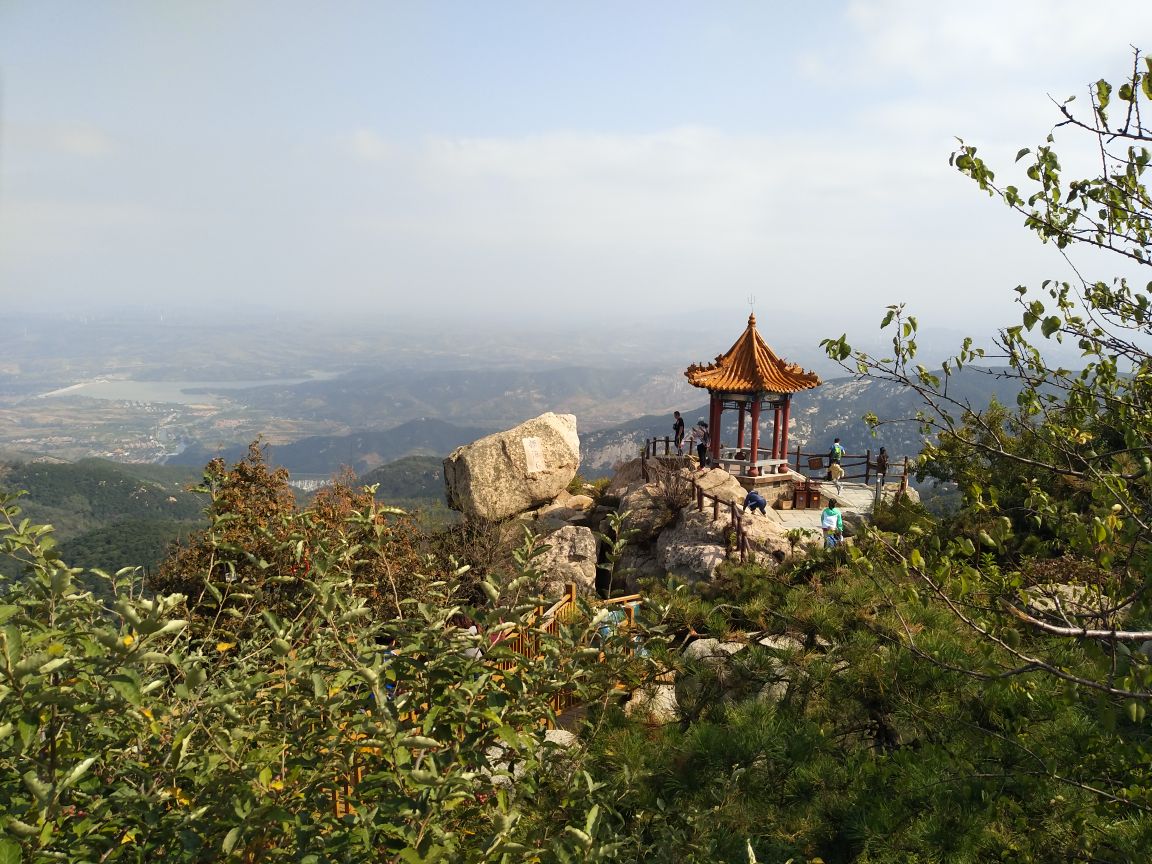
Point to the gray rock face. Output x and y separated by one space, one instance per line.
655 703
711 649
513 471
571 558
765 536
695 547
646 517
566 508
722 485
635 565
626 478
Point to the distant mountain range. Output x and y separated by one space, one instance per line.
833 410
475 397
108 514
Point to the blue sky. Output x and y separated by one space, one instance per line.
520 161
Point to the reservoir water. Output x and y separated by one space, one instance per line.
174 392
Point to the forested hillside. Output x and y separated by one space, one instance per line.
361 451
107 514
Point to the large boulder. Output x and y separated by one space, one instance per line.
513 471
627 477
571 557
767 537
637 564
652 506
720 484
693 548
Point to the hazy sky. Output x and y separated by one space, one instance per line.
552 161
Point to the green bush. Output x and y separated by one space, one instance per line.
128 732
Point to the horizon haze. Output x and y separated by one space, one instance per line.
519 165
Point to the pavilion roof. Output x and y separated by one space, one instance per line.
750 366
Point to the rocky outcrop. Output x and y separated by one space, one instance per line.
721 484
694 547
654 703
766 537
571 557
626 478
513 471
566 508
648 513
635 565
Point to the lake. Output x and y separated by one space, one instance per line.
173 392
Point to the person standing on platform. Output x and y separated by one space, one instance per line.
700 438
835 469
881 466
832 524
678 432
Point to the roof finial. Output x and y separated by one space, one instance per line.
752 308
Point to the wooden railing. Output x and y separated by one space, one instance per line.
857 466
700 496
815 466
525 641
729 458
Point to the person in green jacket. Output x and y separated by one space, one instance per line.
832 524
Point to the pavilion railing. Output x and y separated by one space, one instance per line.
657 448
857 466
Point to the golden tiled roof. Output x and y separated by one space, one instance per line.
751 367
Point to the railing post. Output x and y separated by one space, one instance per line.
715 509
667 447
867 465
904 478
699 499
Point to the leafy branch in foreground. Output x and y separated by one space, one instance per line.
1056 535
128 732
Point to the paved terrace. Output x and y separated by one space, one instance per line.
854 498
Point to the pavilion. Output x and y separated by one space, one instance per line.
750 378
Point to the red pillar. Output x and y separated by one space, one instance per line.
784 427
775 431
714 429
753 471
740 428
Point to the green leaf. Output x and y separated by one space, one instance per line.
418 742
9 852
230 840
40 790
1051 325
127 686
1023 152
78 771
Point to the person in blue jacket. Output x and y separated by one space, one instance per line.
756 501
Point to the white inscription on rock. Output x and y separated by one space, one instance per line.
533 455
